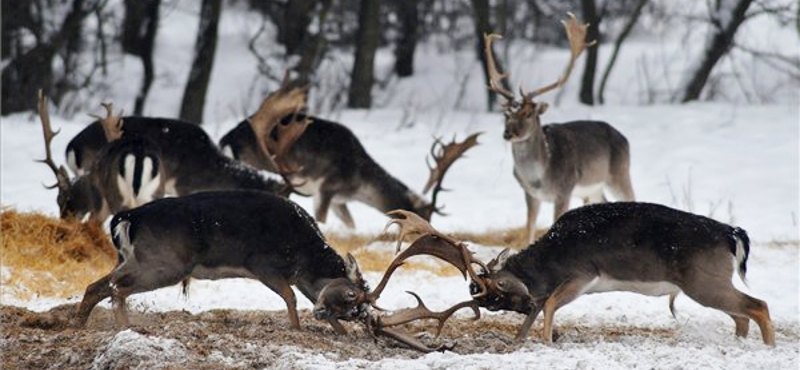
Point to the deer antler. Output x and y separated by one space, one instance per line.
62 178
444 156
422 312
494 76
112 124
275 106
576 33
433 243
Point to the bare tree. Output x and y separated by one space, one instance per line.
726 17
194 95
367 39
138 38
592 18
626 30
408 13
481 10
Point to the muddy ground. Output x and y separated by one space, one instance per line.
236 339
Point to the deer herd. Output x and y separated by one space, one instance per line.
183 209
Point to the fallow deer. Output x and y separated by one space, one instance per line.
334 168
556 162
626 246
250 234
129 174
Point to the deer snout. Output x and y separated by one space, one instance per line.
508 134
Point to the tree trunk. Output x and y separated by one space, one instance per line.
720 41
481 10
312 50
367 39
293 26
138 38
26 74
194 95
626 30
593 33
407 11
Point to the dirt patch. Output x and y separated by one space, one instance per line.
238 339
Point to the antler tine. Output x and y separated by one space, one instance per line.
433 243
112 125
274 107
444 158
62 177
576 33
287 135
422 312
494 76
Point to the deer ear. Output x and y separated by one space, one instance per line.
352 269
541 108
498 262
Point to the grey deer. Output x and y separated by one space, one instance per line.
625 246
129 174
556 162
329 163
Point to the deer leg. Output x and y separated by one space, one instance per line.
322 201
742 325
560 207
95 292
621 188
565 293
533 212
120 311
337 326
725 297
341 211
278 284
526 325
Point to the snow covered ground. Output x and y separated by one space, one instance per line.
736 163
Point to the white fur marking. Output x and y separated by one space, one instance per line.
72 162
588 190
125 182
149 185
227 151
121 232
605 283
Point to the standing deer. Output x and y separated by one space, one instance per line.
625 246
129 174
556 162
333 167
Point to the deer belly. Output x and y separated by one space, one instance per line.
220 272
306 185
605 283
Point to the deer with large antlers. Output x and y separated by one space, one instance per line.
332 166
626 246
130 173
556 162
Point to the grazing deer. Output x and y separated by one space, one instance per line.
190 158
129 174
556 162
250 234
626 246
333 167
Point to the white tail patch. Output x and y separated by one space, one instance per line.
149 184
72 163
227 151
125 182
738 258
123 242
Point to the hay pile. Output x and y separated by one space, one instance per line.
49 257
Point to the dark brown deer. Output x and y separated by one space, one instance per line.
129 175
556 162
190 158
251 234
333 167
626 246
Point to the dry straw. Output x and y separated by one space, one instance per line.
45 256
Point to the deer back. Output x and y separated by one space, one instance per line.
190 158
329 152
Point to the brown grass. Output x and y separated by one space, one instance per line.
51 257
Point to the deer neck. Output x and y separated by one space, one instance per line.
532 150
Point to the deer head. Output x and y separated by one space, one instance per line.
522 116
